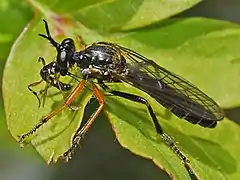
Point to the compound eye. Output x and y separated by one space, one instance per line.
68 44
63 55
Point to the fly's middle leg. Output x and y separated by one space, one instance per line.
82 130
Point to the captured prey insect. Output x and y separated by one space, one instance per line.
109 63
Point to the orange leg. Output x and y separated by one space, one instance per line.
79 134
67 102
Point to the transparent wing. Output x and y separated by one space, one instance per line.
175 93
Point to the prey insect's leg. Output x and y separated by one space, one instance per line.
43 94
40 59
81 131
71 97
167 139
34 92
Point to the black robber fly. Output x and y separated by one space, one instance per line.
106 62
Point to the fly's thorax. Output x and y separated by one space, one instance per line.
98 55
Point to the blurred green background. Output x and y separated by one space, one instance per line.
100 147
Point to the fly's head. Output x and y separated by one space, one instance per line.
51 73
65 52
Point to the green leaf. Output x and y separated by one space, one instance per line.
9 10
9 31
204 51
21 106
105 16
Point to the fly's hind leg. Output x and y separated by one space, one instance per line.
167 139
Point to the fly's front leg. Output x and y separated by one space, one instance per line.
63 87
67 102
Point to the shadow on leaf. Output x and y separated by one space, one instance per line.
233 114
209 153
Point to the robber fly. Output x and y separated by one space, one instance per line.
109 63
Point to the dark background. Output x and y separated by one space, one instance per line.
101 157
